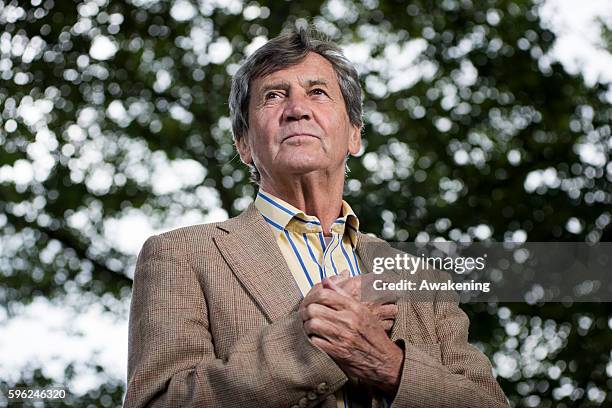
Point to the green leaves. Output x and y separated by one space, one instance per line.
470 126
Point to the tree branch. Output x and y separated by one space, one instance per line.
102 272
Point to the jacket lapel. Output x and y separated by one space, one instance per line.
252 253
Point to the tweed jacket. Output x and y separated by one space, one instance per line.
214 323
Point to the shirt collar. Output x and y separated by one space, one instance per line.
283 216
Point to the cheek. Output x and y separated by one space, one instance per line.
262 139
266 122
341 130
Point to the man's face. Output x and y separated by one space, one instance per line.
298 122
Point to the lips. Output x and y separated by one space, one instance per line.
299 134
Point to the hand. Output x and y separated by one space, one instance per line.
361 287
384 308
353 336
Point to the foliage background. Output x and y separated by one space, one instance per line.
117 110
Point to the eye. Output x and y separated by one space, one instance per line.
318 91
271 95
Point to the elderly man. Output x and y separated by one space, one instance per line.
264 310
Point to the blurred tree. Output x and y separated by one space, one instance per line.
473 131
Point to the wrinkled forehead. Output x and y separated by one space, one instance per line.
311 70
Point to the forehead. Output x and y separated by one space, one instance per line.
312 68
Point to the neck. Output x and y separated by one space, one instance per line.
319 195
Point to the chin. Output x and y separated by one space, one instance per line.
302 165
304 159
302 168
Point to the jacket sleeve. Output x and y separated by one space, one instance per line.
452 373
172 359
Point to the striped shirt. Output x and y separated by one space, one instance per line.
309 257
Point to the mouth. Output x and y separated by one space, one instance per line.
296 136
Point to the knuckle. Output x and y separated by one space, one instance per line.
314 324
307 326
353 324
310 310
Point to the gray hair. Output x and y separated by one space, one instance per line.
284 51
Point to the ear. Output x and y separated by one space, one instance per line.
354 143
244 150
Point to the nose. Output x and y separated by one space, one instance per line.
297 108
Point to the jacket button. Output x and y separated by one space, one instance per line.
303 403
312 395
322 388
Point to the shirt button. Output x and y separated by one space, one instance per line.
311 395
322 388
303 403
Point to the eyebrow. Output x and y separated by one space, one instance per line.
315 82
284 86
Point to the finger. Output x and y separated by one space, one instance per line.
387 311
322 344
351 286
330 323
331 284
331 298
312 294
387 324
317 310
336 326
341 276
322 328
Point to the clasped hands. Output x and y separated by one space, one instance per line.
353 333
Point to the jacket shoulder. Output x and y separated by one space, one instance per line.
201 233
197 231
